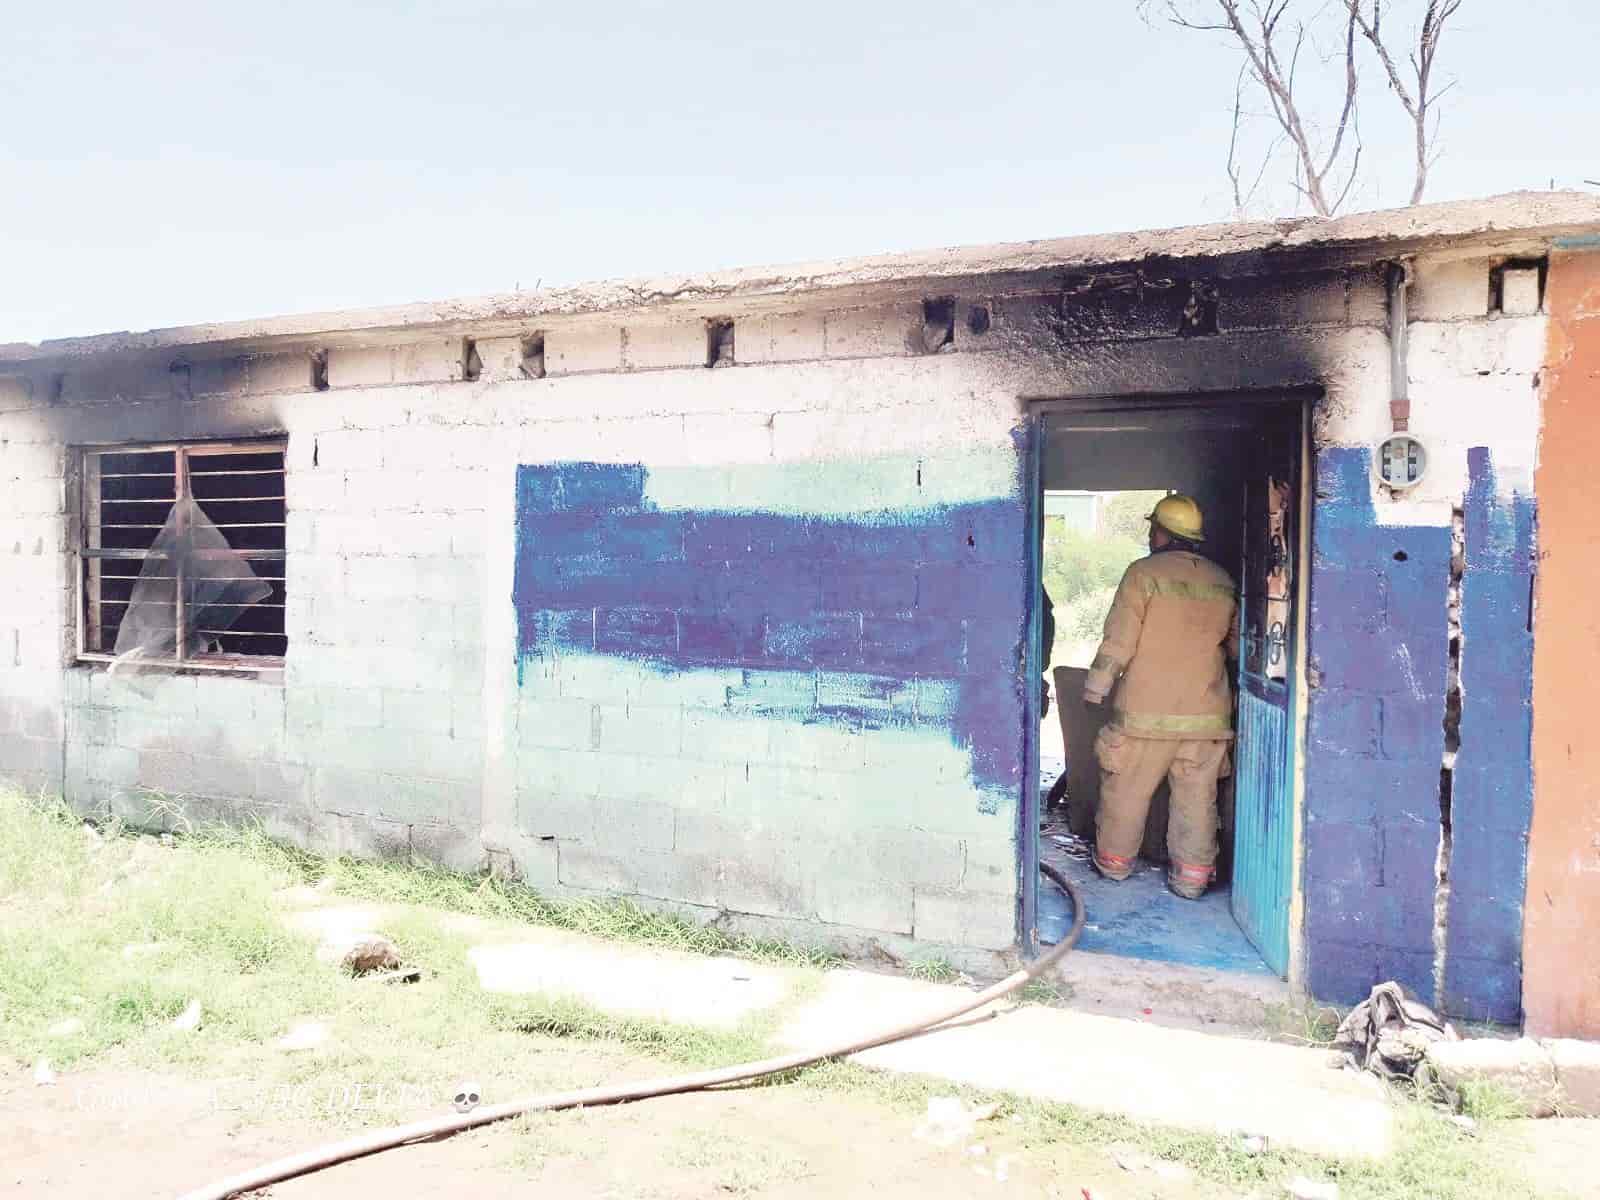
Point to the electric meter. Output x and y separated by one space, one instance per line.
1401 461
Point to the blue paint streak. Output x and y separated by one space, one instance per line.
903 616
1492 806
1379 642
1375 737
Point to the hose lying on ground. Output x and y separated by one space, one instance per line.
437 1127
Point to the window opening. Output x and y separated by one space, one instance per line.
184 555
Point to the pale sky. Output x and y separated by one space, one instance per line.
175 162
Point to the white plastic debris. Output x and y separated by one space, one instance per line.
43 1076
65 1028
306 1035
189 1018
1002 1168
1254 1145
950 1120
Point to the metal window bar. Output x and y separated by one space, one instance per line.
131 482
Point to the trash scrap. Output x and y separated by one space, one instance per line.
306 1035
1389 1033
43 1076
950 1120
189 1018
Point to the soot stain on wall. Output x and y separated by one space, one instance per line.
893 617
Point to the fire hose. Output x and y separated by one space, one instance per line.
438 1127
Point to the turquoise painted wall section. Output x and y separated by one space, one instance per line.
803 704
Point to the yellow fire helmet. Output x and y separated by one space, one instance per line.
1180 516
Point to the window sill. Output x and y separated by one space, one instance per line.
269 670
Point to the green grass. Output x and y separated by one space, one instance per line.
70 902
416 881
932 970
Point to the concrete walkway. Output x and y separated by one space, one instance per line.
1151 1073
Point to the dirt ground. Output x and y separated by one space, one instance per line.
143 1135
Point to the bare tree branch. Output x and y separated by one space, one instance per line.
1417 102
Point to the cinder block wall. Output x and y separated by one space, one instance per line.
1410 874
745 642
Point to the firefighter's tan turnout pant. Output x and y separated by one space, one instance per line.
1131 769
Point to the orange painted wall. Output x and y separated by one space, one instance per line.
1561 950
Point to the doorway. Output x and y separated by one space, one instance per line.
1098 471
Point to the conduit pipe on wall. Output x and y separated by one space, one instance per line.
1399 397
438 1127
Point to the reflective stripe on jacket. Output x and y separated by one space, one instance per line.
1172 627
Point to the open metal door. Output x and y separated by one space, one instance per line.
1263 846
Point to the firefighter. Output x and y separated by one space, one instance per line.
1172 628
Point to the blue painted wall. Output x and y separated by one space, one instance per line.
1379 654
905 616
1375 738
1493 794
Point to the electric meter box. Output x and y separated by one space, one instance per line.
1400 462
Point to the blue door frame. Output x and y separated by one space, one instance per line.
1271 934
1028 832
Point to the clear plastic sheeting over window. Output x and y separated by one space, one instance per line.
184 555
192 589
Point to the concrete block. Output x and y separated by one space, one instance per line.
1522 1068
1344 723
862 332
279 373
785 337
535 862
349 450
367 366
640 729
16 394
570 774
982 920
1577 1067
573 350
282 783
765 879
341 790
359 836
35 497
20 753
879 904
500 359
1519 291
596 869
649 347
714 735
684 878
425 711
557 724
1449 290
435 361
119 384
729 438
451 846
418 800
1273 302
317 491
1368 297
1439 354
551 814
633 824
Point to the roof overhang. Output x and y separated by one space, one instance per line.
1513 224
